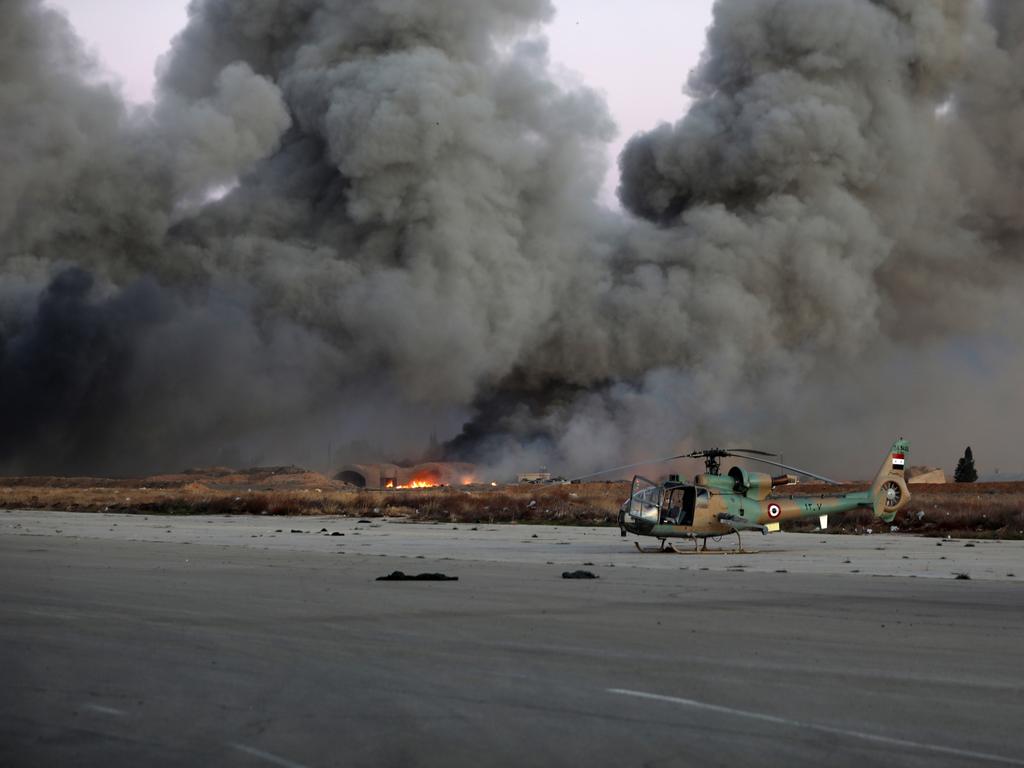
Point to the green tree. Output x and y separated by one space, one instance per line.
965 471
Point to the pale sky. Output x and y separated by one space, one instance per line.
637 52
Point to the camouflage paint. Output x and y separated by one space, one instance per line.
754 507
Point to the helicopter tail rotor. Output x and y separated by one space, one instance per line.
889 489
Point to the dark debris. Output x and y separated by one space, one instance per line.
400 576
579 575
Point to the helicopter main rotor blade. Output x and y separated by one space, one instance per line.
750 450
828 480
634 466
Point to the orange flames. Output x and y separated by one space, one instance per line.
421 480
432 479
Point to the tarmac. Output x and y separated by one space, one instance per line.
134 640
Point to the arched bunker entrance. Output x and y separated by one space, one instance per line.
350 476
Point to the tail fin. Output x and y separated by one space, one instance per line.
889 490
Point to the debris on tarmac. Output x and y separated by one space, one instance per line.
578 575
400 576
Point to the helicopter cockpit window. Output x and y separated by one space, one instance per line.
644 499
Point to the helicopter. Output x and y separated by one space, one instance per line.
715 505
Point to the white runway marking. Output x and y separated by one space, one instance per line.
266 756
967 753
105 710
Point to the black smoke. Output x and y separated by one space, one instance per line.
369 221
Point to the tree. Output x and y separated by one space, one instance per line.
965 471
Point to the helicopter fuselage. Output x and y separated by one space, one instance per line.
742 512
715 505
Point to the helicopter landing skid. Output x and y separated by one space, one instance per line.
652 550
699 551
672 547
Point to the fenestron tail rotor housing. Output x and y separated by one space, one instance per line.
892 493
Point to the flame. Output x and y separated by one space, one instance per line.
427 479
424 480
420 484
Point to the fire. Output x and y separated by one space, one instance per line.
419 481
429 477
421 484
391 486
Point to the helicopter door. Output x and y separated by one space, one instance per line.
689 505
678 505
644 500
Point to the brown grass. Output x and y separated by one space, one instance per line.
979 510
585 504
992 510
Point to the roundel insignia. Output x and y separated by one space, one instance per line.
773 510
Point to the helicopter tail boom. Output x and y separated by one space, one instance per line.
889 491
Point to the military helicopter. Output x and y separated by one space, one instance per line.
715 505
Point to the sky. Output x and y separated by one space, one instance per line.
639 60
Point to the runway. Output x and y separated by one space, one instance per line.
185 641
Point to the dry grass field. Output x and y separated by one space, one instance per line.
294 491
980 510
989 510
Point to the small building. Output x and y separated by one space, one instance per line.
543 476
921 475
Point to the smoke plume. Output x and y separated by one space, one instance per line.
369 220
